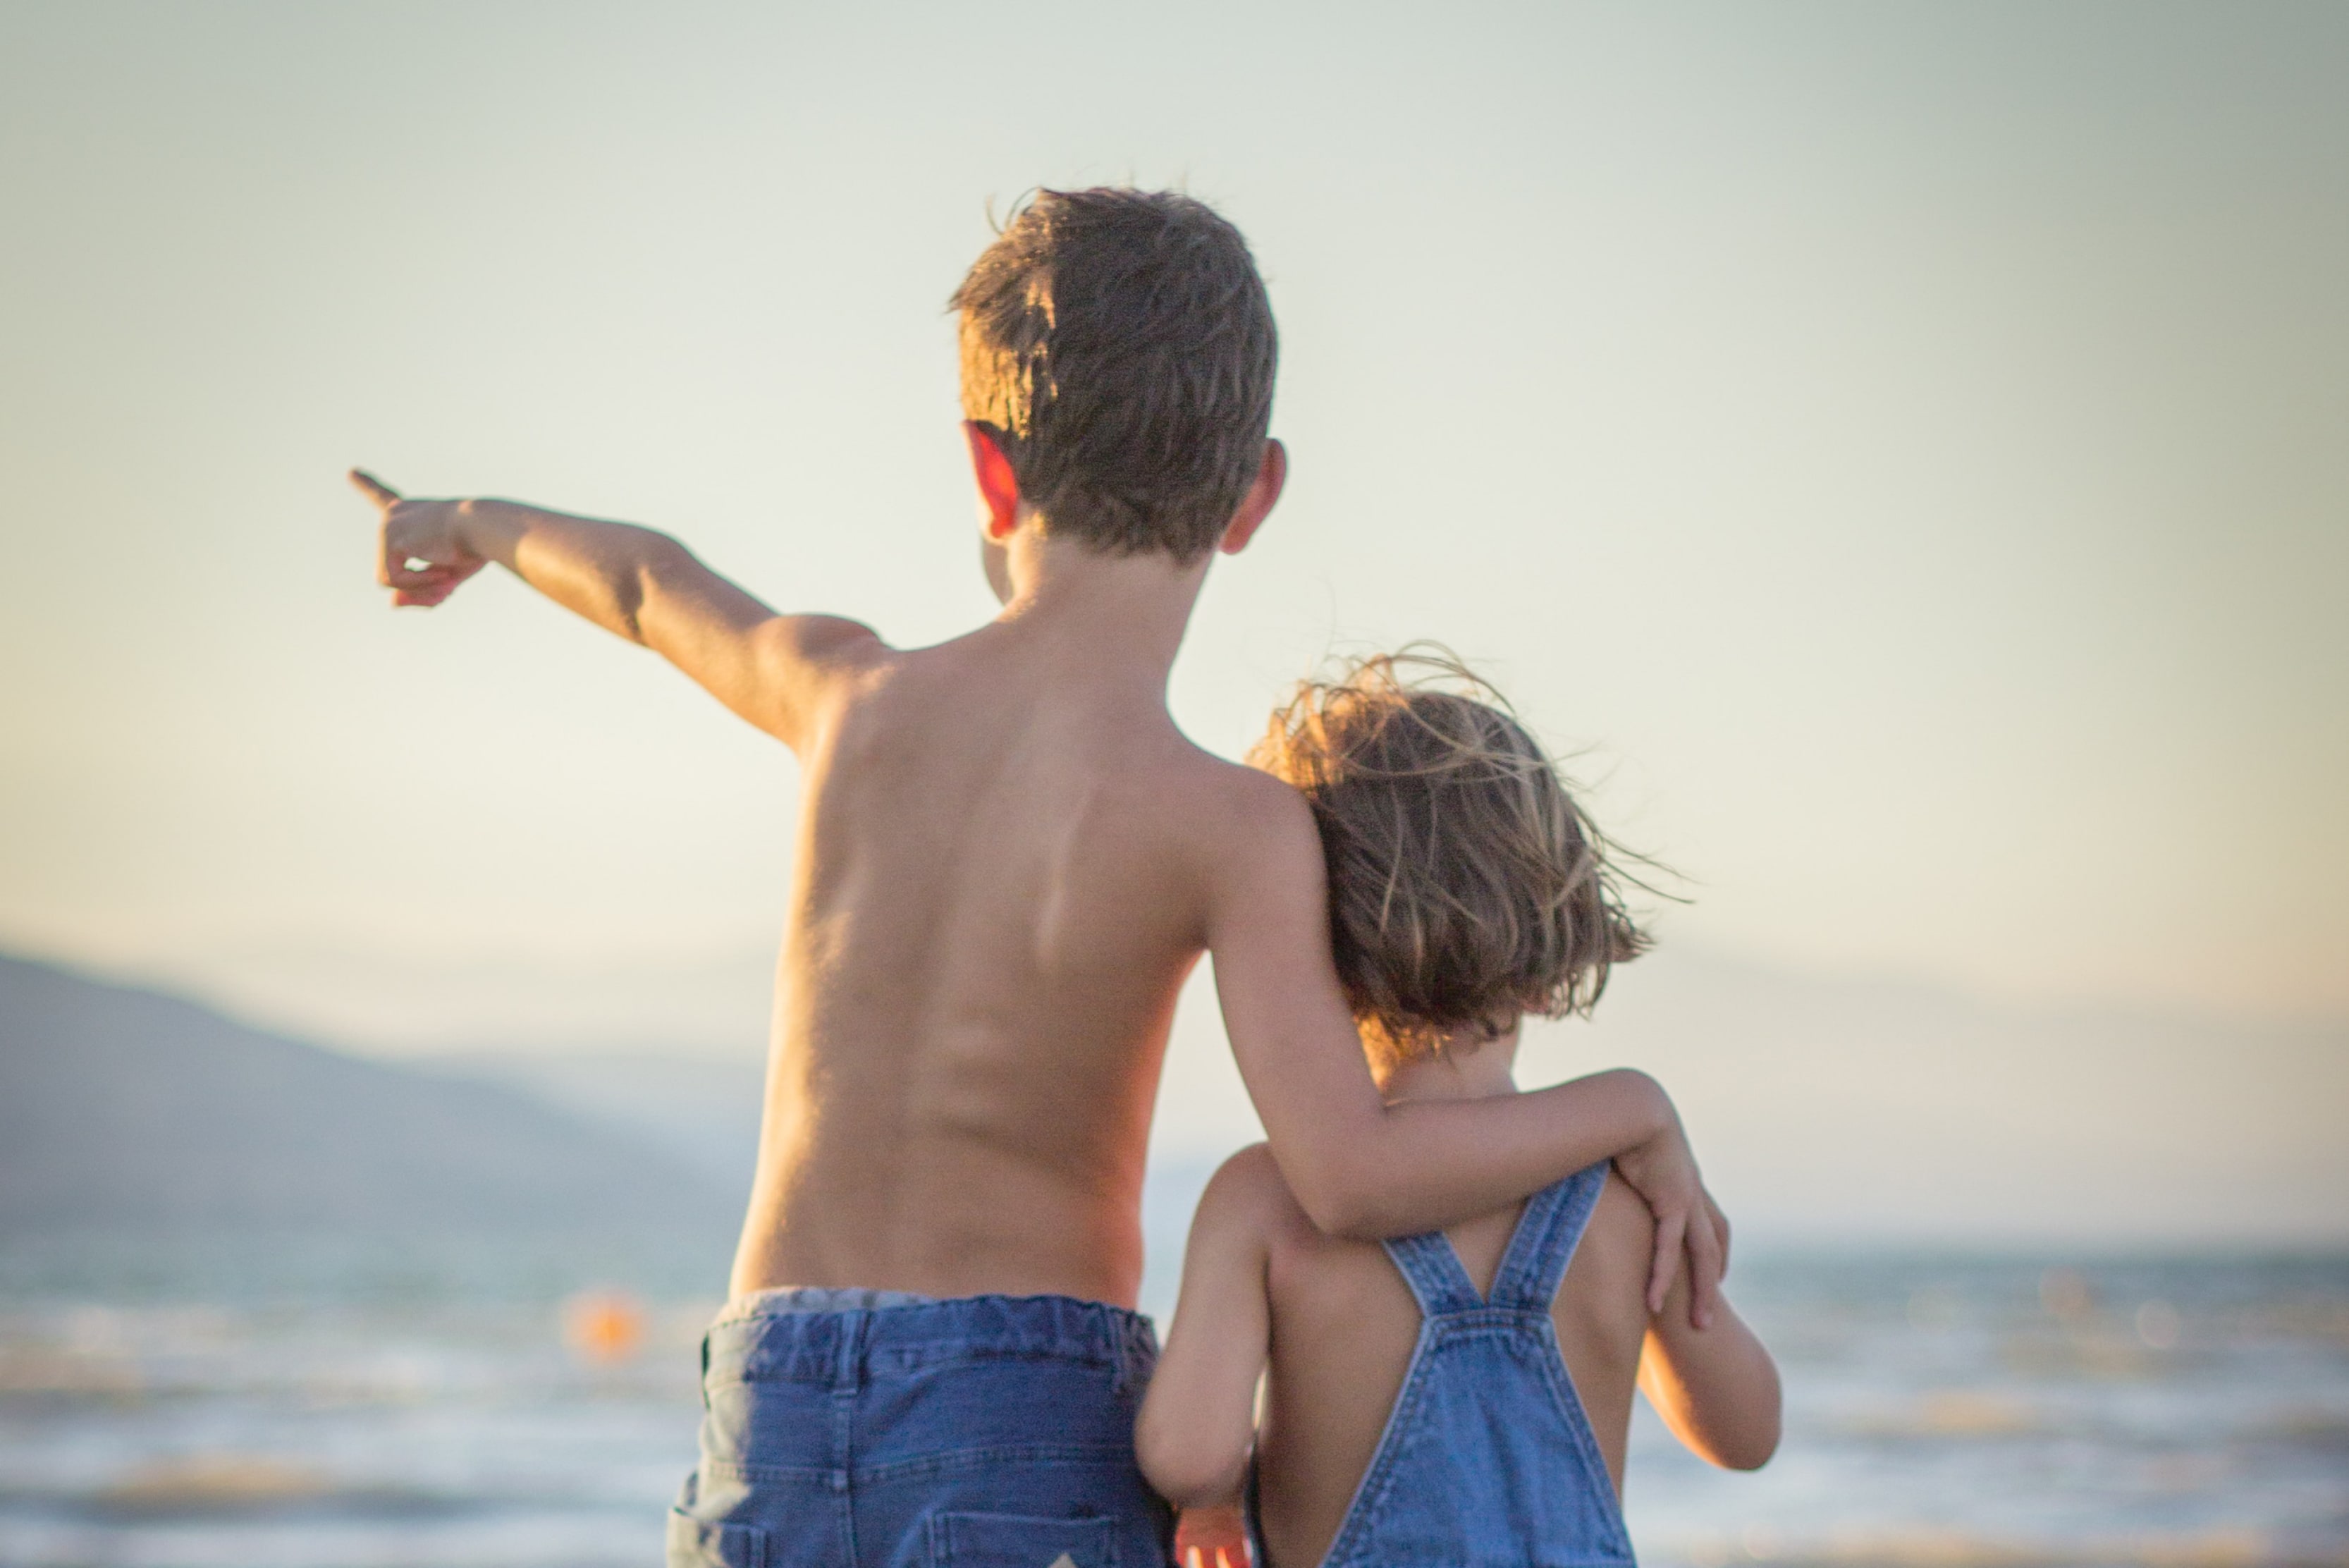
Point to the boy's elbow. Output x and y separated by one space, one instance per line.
1345 1186
1363 1220
1344 1199
660 560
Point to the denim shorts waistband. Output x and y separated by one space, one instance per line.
778 1339
776 1302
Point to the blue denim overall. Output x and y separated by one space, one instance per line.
1487 1459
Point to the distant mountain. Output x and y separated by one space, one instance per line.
124 1107
701 1112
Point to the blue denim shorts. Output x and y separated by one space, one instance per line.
982 1432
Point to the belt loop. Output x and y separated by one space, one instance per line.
848 1364
1137 1350
847 1386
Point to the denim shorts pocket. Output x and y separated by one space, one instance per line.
699 1543
1015 1540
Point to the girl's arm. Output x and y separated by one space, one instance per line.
1716 1387
1197 1426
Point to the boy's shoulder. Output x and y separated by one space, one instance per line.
1240 824
889 688
1251 804
1249 830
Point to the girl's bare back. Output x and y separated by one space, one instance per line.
1345 1326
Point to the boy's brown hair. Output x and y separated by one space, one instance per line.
1119 344
1466 886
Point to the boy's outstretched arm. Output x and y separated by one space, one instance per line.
1365 1169
633 582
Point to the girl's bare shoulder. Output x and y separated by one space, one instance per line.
1608 1273
1248 1192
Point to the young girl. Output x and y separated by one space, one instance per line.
1460 1397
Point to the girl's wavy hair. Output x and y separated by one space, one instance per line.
1465 885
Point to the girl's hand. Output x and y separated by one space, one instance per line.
1211 1538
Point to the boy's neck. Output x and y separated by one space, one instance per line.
1129 612
1469 1068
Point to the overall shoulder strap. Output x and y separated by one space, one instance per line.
1546 1238
1432 1271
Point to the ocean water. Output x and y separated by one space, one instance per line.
270 1403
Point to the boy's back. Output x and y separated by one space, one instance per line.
997 894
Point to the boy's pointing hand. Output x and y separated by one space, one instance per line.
421 555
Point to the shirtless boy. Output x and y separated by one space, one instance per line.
1009 859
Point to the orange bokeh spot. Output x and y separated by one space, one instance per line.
603 1325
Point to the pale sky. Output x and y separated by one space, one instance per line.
1906 449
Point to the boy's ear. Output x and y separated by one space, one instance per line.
998 487
1257 504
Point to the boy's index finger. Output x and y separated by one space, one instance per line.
373 489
